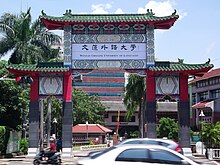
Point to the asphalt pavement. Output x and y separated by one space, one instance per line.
24 160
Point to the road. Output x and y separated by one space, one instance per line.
23 160
28 161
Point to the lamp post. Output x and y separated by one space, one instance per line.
87 132
201 115
55 127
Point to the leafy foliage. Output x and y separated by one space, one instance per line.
134 134
12 103
56 112
87 108
2 137
13 100
23 145
29 42
210 134
167 128
135 91
134 99
3 71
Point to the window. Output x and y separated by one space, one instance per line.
122 119
103 152
133 142
214 80
149 142
215 93
134 155
203 96
202 83
149 155
193 98
163 156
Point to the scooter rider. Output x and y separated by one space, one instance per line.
50 151
48 155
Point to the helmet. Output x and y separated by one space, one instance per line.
51 139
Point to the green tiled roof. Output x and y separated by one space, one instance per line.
179 66
160 66
69 18
36 68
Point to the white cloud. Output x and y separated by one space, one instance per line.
101 8
161 8
119 11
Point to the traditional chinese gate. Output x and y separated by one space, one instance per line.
117 41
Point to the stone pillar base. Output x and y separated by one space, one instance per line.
67 152
187 151
32 152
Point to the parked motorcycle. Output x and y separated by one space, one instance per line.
47 158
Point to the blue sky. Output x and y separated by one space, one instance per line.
195 36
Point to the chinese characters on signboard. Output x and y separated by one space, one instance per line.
115 47
106 51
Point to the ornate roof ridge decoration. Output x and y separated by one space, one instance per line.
149 18
36 68
180 66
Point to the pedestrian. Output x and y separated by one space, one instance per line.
59 145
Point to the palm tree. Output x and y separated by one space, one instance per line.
29 42
134 97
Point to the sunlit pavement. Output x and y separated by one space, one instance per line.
202 159
23 160
27 161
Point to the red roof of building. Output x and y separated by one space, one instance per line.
90 128
203 104
210 74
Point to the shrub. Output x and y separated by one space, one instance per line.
134 134
23 145
2 137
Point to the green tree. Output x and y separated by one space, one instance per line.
13 103
56 110
134 97
167 128
29 42
87 108
3 72
210 134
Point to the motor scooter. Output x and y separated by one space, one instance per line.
45 157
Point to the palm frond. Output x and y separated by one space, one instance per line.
5 46
31 42
7 30
135 91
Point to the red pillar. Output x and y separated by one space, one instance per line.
67 115
34 88
184 112
150 104
34 115
67 87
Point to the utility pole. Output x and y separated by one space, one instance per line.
48 121
41 123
